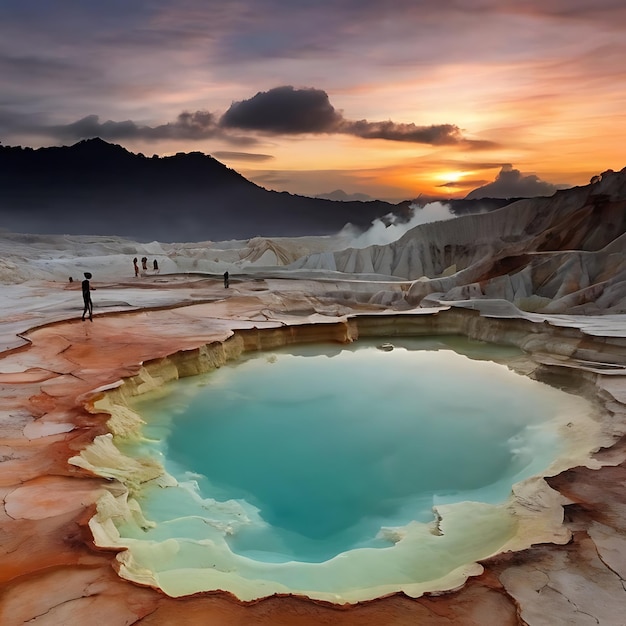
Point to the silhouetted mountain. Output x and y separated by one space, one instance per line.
340 194
95 187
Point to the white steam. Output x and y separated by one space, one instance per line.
384 231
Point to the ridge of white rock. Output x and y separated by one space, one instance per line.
563 254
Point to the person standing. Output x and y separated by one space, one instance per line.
136 267
87 289
226 280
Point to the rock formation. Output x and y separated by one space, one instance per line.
563 254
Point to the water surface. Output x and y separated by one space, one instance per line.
317 453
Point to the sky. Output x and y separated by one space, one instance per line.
388 99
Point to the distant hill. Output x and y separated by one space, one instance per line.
98 188
340 194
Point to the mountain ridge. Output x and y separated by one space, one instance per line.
95 187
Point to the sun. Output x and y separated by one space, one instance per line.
450 177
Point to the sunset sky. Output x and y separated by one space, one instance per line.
388 98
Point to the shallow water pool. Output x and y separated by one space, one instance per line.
324 469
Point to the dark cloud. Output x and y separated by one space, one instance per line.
511 183
284 110
198 125
462 184
289 111
190 126
280 111
242 156
435 135
442 134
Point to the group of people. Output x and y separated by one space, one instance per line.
144 265
87 288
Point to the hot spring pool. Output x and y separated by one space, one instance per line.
341 473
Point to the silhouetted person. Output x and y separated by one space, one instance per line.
155 265
87 297
136 267
71 279
144 262
226 280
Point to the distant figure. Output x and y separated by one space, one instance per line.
136 267
226 280
144 262
155 265
71 279
87 297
